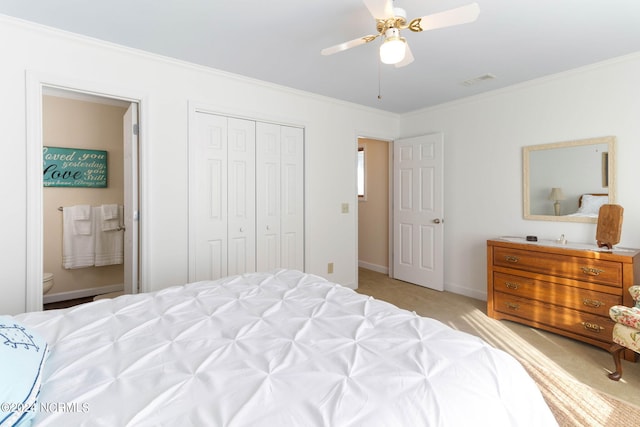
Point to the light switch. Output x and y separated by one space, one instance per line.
345 208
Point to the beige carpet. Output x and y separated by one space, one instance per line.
576 404
571 375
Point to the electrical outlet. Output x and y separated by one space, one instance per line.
345 208
330 268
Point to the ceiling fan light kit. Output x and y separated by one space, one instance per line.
394 47
389 21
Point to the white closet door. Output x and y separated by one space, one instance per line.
292 194
279 197
241 183
210 197
246 197
268 196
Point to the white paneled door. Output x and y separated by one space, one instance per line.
292 184
246 191
209 197
268 170
241 193
418 211
280 197
131 229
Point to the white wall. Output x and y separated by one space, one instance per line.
167 86
484 136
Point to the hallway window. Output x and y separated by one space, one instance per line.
361 166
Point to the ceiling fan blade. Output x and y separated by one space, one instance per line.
408 57
448 18
380 9
348 45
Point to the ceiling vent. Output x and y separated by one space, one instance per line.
480 79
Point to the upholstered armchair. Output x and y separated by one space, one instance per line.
626 332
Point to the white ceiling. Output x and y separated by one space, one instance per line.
279 41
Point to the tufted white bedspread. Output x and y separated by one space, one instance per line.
278 349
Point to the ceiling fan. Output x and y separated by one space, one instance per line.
390 20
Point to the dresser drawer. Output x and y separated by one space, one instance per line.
565 296
584 269
577 322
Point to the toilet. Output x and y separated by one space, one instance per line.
47 282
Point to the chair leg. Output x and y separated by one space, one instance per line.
616 351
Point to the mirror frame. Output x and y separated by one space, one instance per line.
526 152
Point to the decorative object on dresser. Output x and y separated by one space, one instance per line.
565 289
626 332
609 225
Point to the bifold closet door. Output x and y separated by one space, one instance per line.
279 197
241 185
209 197
223 197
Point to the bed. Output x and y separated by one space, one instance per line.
283 348
589 204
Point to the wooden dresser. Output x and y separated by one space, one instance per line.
566 289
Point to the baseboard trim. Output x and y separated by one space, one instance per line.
81 293
461 290
373 267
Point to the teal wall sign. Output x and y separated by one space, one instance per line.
73 167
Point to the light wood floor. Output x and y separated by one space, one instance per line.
586 363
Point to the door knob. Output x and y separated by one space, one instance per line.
436 221
241 229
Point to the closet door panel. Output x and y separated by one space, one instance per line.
238 255
241 196
210 197
216 255
292 189
247 196
268 197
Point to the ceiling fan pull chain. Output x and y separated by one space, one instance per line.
379 84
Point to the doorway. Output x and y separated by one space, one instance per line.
403 180
373 205
121 190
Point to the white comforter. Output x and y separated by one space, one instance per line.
282 349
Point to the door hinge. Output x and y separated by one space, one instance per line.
136 129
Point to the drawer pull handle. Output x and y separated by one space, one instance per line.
592 327
513 306
592 303
591 271
511 258
511 285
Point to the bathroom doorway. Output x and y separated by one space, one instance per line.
85 125
92 121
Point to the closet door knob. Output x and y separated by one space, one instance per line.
242 229
268 227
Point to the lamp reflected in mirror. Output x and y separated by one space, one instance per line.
556 195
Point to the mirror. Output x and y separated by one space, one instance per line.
568 181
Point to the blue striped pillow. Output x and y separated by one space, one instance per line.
22 357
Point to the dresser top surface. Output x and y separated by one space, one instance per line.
577 249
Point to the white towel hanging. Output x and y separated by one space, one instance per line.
109 211
110 217
78 242
109 243
81 212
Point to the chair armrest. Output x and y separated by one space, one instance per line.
635 294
